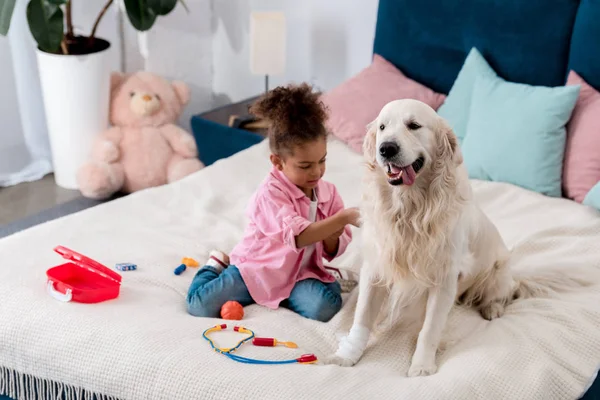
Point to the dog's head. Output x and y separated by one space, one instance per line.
407 139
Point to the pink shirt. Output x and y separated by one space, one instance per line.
267 256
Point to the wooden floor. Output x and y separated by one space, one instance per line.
25 199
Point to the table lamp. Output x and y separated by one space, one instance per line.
267 44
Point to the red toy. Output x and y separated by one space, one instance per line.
232 310
82 279
272 342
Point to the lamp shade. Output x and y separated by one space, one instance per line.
267 43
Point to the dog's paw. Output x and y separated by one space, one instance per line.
337 360
491 311
421 370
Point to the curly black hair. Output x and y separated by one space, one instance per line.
295 113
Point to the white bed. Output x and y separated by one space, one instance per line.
144 345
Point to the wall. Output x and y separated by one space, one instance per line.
328 41
179 47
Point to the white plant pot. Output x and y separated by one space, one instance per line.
76 90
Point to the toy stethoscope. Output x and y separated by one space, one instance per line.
304 359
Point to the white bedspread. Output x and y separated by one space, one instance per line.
144 345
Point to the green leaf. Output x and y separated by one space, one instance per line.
162 7
6 10
140 15
57 2
46 24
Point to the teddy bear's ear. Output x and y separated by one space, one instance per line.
116 78
182 90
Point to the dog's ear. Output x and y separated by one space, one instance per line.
369 144
448 142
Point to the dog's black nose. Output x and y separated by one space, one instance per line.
389 149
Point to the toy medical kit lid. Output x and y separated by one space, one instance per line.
88 263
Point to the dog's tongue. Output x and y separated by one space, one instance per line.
408 175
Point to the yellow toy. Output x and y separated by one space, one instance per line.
189 262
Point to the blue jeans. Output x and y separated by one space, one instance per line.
209 290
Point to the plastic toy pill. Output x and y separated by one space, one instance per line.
179 270
190 262
126 266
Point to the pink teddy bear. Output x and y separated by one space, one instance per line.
144 147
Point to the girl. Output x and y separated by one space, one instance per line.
296 219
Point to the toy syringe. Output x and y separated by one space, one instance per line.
272 342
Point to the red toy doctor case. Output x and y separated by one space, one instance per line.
81 279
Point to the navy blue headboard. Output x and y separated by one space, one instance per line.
585 43
525 41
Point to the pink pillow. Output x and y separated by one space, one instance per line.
357 101
582 155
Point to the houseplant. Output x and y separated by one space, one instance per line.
74 73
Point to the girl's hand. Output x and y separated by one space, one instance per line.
329 229
352 215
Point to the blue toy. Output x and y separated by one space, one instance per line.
126 267
179 270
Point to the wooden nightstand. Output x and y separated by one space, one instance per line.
217 139
229 114
221 114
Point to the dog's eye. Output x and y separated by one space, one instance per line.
382 127
157 97
413 126
132 94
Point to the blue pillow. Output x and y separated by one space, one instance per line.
516 133
455 108
592 199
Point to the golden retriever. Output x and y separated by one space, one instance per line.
426 243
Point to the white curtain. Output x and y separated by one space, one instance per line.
24 146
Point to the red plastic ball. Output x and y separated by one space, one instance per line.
232 310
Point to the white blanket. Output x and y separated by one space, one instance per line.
144 345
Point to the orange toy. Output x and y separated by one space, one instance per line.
232 310
189 262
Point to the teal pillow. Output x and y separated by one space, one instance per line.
592 199
516 133
455 108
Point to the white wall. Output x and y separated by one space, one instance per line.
328 41
180 47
